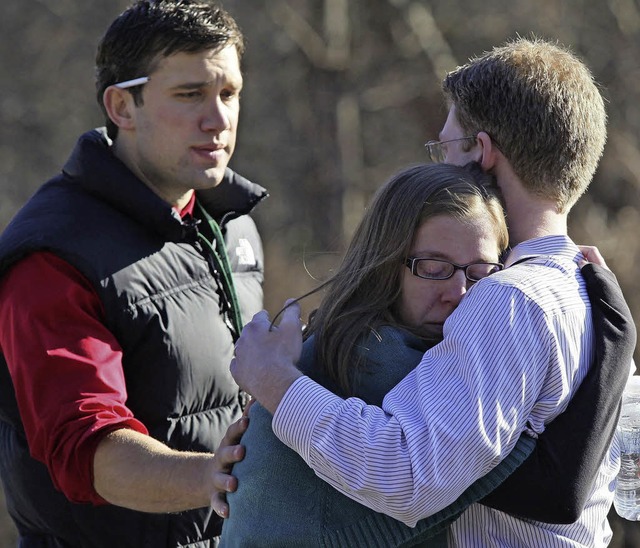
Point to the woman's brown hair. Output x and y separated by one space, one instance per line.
362 294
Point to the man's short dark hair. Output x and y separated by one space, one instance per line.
150 30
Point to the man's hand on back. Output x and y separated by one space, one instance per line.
265 357
228 453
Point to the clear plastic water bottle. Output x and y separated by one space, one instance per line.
627 495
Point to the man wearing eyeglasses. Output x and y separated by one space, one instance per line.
515 350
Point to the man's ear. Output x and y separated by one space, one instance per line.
489 151
119 105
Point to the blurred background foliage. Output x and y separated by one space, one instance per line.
338 96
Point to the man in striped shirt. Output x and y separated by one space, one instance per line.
514 351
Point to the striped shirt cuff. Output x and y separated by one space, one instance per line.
298 413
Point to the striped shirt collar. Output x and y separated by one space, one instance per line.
556 245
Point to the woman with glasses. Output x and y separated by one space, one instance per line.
431 233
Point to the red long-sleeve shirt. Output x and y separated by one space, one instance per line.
66 368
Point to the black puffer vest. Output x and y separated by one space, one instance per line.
162 301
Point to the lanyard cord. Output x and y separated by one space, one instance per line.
219 255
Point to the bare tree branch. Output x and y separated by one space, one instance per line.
333 56
337 31
349 133
626 14
421 21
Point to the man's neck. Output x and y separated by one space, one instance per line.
178 200
526 225
528 215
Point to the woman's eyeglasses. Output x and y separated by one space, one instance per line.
438 269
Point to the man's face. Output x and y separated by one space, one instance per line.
184 134
456 152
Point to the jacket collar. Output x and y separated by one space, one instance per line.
93 166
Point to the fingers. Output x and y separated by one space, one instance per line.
592 254
219 505
264 357
235 431
224 484
291 310
291 323
259 323
228 453
260 317
245 413
290 313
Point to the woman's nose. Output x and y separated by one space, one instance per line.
455 287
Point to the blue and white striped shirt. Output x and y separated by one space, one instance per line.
514 351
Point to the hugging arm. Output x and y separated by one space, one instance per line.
558 477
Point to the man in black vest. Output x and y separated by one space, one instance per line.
124 282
